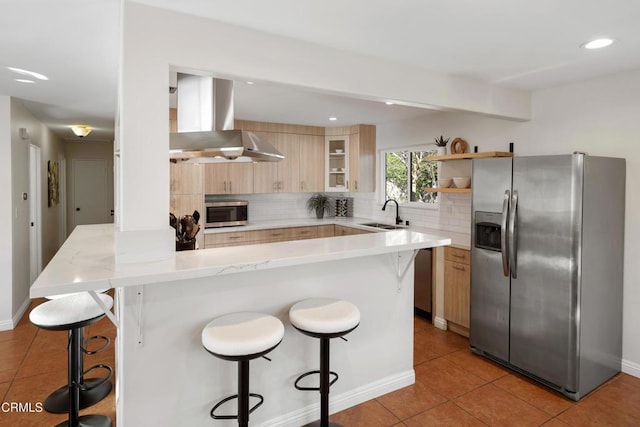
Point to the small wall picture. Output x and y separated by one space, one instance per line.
52 183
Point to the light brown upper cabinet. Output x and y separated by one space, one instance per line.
362 159
228 178
282 176
311 163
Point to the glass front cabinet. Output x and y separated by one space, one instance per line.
337 163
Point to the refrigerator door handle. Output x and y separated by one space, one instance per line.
504 248
513 238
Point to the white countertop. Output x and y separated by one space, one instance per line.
86 260
459 240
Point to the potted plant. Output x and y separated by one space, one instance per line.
319 203
441 143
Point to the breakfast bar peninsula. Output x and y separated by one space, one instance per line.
164 377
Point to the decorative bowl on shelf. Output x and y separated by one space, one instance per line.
339 150
334 169
462 181
444 183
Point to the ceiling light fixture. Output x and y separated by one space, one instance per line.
597 43
333 119
250 83
24 81
28 73
389 102
81 130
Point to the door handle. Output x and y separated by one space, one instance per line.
77 209
225 186
230 186
504 248
112 212
513 238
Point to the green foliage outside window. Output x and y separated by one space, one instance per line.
408 173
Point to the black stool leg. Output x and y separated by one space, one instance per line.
243 393
74 376
324 382
58 401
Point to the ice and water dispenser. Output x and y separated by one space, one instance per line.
487 231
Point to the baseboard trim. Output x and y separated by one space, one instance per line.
440 323
631 368
7 325
343 401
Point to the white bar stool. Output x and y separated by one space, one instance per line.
323 318
72 313
92 390
240 337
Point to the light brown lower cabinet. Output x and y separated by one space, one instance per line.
341 230
270 235
457 282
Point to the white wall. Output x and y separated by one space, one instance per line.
14 290
6 215
600 117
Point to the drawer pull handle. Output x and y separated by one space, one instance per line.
305 232
459 268
235 237
458 256
276 234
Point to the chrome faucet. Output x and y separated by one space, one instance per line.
398 219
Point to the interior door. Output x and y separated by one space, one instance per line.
90 192
35 199
490 293
544 271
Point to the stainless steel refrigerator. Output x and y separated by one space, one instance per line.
547 267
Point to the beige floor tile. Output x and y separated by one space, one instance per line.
370 413
537 395
477 365
496 407
445 415
447 378
412 400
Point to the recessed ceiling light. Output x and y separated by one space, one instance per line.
24 81
333 119
389 103
28 73
597 44
250 83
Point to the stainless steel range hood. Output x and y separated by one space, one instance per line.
205 125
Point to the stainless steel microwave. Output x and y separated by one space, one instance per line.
226 213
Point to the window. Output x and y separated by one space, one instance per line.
407 173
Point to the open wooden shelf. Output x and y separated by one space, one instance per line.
464 156
447 190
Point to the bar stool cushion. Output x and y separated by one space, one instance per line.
324 315
98 291
242 334
68 311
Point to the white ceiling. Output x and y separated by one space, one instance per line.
525 44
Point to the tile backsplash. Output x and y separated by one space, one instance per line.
454 213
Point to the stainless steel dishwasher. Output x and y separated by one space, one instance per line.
422 282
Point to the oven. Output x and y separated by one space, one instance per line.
226 213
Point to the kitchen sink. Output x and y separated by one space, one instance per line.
383 226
